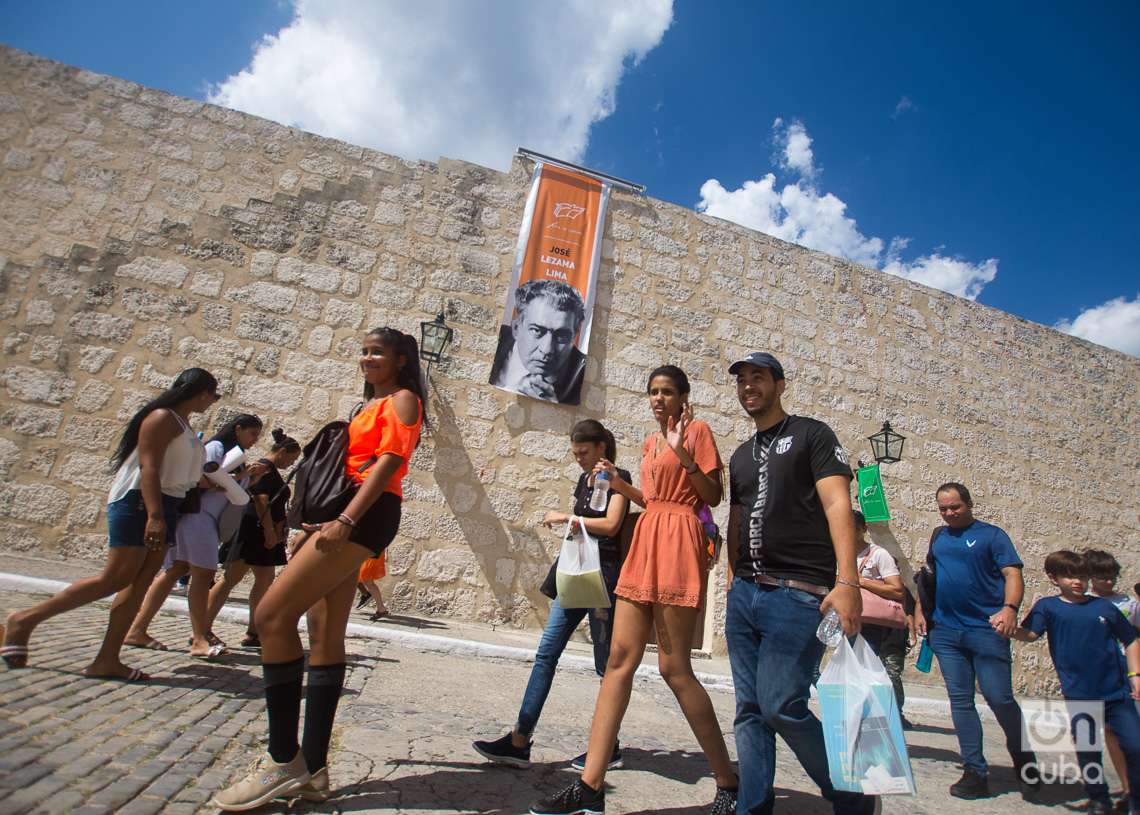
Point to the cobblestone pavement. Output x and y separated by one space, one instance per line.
403 741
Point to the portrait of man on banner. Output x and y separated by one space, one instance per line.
536 354
545 333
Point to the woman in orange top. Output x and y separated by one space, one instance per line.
661 584
321 579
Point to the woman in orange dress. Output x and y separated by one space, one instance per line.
372 570
321 579
661 584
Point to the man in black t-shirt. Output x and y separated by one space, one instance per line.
790 526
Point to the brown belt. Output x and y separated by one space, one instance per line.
810 588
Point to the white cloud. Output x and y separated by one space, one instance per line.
799 212
1115 324
436 78
902 107
795 148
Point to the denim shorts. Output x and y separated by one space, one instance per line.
126 519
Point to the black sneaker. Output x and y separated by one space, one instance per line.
364 599
724 803
576 799
615 763
970 786
1101 807
907 724
503 751
1028 781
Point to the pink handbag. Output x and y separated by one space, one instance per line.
879 610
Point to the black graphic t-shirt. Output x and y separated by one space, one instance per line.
783 529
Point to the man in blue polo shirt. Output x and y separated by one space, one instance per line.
978 592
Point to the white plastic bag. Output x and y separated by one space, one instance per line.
866 751
579 575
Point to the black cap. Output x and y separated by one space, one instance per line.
761 359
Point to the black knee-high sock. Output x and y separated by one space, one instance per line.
321 698
283 702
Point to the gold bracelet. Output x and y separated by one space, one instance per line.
1133 673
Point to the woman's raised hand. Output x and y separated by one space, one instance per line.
675 432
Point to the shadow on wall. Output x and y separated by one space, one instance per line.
504 546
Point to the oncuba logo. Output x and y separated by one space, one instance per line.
1064 727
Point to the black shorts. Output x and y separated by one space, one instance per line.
379 525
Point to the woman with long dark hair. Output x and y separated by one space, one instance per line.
260 543
590 442
321 579
661 586
159 460
196 547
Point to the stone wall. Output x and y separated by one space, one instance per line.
142 233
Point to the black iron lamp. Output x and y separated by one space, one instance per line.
887 445
434 337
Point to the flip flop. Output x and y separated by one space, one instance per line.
214 652
151 645
134 676
14 656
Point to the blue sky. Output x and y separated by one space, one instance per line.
997 141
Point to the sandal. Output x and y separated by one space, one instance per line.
14 656
134 676
211 638
214 652
150 645
251 641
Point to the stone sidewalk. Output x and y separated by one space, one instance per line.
69 744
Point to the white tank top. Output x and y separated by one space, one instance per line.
181 466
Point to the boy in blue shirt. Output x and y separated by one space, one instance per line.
1083 634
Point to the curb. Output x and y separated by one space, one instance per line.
472 648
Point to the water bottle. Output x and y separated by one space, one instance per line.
830 630
925 657
601 493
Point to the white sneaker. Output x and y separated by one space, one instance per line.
267 780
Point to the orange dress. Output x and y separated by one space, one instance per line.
372 569
668 558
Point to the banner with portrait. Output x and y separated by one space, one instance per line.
545 333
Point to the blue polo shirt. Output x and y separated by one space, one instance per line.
970 587
1083 641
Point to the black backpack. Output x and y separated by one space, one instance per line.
322 490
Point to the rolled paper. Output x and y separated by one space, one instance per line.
234 459
236 495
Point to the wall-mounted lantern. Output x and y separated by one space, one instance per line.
434 338
887 445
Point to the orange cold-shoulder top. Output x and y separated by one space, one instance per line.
377 430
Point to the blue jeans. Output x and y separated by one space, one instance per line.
560 626
1120 716
774 653
969 654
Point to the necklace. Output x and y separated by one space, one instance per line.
779 430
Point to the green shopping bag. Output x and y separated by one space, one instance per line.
872 499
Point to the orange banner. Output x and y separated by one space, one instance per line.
545 333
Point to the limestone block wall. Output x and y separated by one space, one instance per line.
141 233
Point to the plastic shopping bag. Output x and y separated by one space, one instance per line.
861 726
579 576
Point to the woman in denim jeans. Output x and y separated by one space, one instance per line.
590 442
159 460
